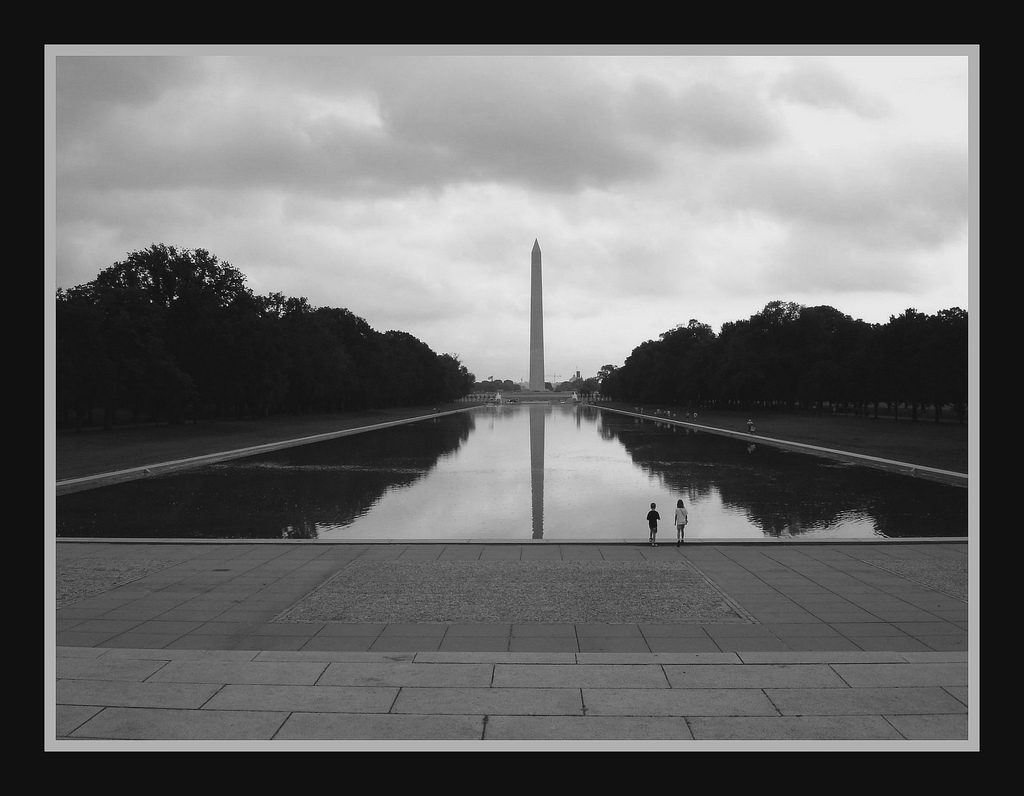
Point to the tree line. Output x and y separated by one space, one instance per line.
788 356
492 385
170 335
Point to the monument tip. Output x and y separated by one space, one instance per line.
536 245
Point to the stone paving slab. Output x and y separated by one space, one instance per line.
125 670
677 702
795 630
264 672
606 630
144 724
737 643
474 643
858 629
405 643
351 629
863 701
901 674
89 652
303 698
812 643
936 656
794 728
134 695
156 640
681 645
167 655
498 657
661 657
931 728
341 643
76 639
930 628
543 644
587 728
274 642
616 643
504 701
587 675
408 674
822 656
389 727
664 630
412 628
477 629
754 676
877 643
546 629
69 718
944 642
330 656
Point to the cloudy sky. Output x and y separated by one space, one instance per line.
408 185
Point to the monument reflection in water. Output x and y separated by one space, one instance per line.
538 471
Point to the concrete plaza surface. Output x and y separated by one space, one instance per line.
292 643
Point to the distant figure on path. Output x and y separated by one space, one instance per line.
652 521
681 520
750 425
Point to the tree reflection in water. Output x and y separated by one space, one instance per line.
785 493
283 494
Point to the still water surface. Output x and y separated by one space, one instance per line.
538 471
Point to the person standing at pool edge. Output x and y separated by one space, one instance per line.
652 521
681 520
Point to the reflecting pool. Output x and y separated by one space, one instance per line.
531 471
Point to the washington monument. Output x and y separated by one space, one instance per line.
536 323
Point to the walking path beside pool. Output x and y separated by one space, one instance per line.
349 643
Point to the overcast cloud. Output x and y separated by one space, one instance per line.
409 186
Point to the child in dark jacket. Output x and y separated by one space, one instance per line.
652 522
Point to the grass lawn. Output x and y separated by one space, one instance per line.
943 445
97 451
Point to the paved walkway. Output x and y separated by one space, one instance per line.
770 642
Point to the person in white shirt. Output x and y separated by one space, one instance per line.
681 519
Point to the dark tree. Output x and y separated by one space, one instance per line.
789 356
170 333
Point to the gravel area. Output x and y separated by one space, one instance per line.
508 591
946 576
86 577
